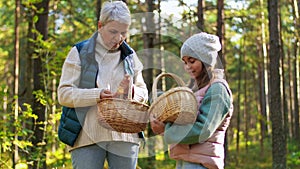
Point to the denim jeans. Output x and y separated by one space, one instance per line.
119 155
188 165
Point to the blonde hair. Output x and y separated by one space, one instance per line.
115 11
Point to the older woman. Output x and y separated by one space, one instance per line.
97 68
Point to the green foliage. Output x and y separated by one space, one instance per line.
159 164
40 97
17 127
57 159
293 155
73 21
255 157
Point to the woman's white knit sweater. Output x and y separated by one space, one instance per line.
111 72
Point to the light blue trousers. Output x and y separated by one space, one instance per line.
119 155
188 165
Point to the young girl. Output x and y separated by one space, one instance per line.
201 145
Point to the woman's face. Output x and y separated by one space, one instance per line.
192 66
113 33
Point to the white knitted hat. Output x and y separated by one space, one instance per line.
202 46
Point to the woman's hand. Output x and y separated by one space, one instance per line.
122 90
106 93
157 126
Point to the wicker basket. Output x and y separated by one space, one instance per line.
177 105
123 115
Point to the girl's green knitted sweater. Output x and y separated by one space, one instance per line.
212 111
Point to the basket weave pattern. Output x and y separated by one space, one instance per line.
177 105
123 115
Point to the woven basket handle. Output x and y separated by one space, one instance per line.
130 97
178 80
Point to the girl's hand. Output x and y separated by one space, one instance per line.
157 126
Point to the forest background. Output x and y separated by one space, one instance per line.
260 56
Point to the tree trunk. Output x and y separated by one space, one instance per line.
245 106
98 10
285 109
148 38
16 76
278 136
291 97
221 53
238 121
161 62
263 81
221 33
39 141
200 14
295 91
296 13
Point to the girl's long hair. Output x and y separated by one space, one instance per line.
205 77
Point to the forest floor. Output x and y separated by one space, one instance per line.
250 157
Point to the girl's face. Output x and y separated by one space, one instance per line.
113 33
192 66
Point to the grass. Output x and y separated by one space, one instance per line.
254 157
249 158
